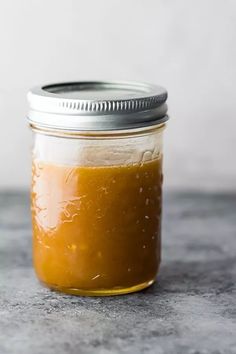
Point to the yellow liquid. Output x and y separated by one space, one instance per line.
96 230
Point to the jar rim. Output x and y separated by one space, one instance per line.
105 134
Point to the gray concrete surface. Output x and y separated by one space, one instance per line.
191 309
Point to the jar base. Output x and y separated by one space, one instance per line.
100 292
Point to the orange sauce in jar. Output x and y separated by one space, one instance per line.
96 230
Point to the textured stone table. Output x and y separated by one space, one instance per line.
191 309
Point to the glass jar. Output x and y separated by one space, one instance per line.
97 185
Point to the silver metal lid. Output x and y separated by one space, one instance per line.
97 106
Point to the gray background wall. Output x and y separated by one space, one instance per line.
188 46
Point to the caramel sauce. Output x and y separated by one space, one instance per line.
96 230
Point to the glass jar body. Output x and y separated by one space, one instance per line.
96 210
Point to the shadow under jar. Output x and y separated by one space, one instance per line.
97 185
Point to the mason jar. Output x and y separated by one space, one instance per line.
96 195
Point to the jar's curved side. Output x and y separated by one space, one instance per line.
96 210
119 149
